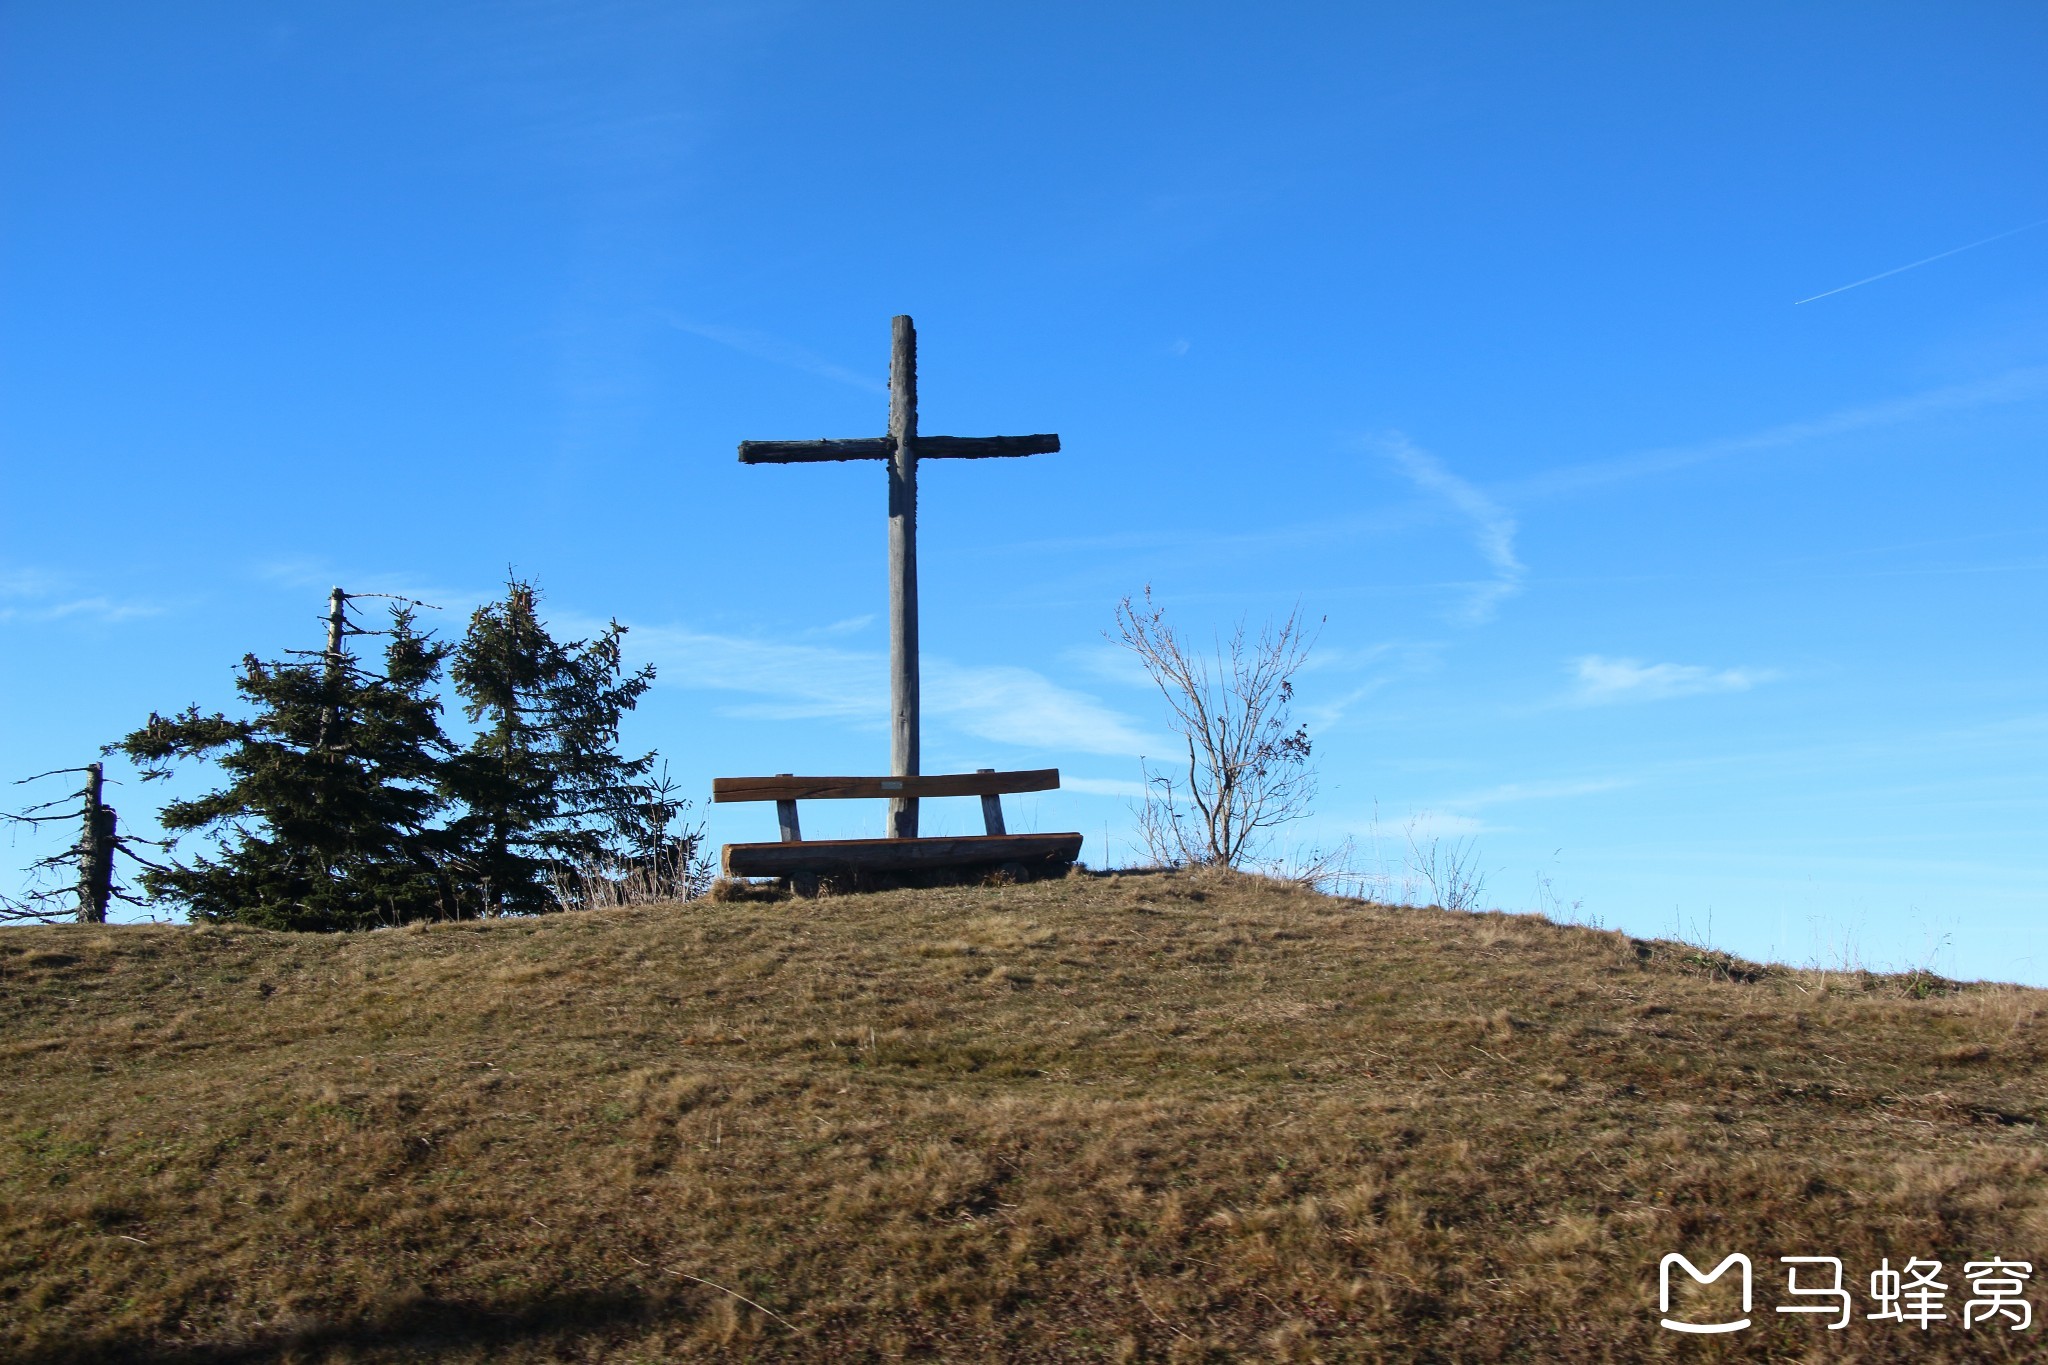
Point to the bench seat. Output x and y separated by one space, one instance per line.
845 857
809 859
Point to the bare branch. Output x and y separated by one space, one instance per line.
52 773
393 597
30 911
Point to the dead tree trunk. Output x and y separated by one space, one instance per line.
95 850
337 630
337 625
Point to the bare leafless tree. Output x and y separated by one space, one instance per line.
92 857
1450 868
1247 767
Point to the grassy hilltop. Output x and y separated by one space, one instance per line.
1123 1117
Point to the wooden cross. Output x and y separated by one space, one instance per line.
901 449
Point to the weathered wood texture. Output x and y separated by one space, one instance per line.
903 701
337 625
985 447
96 850
991 808
814 452
828 857
337 631
785 818
787 788
882 448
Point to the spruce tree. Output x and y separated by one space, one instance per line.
336 783
547 795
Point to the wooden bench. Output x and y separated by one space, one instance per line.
799 858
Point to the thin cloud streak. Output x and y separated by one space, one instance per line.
1286 536
852 625
104 610
26 595
1927 260
1328 715
1509 793
1126 788
1458 816
452 605
1425 825
2012 386
776 351
1493 530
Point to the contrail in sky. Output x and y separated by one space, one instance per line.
1917 264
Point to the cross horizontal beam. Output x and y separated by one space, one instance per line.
883 447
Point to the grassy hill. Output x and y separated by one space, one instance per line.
1123 1117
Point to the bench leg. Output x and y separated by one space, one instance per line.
992 809
785 816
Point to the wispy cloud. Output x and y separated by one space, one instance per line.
1493 510
1018 706
1383 663
1457 816
1514 793
2012 386
1493 530
852 625
785 681
316 576
1601 681
776 351
1425 825
26 583
1131 788
1108 662
1328 713
32 595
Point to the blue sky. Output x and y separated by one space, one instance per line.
1475 329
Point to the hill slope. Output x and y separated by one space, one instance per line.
1150 1117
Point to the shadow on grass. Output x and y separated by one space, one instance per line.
419 1329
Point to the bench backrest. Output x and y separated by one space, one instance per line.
787 788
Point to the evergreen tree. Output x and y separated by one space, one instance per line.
336 784
547 795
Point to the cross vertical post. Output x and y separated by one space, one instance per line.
901 450
903 708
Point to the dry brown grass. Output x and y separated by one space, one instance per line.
1157 1117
